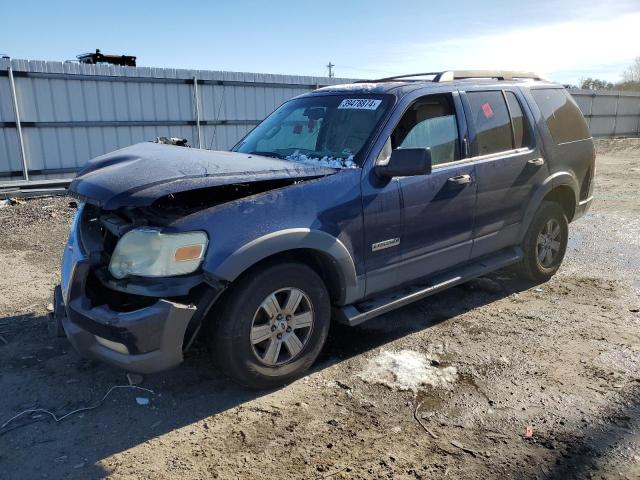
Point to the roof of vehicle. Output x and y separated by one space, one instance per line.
402 84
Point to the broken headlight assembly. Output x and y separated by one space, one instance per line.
147 252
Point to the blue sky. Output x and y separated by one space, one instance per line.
563 39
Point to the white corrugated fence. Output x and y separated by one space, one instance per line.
55 116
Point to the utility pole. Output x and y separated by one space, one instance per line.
330 67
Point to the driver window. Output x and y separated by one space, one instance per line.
429 123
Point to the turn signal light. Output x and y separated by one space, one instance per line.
188 252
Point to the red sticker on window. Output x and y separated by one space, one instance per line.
297 129
486 109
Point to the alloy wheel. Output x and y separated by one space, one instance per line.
548 244
282 326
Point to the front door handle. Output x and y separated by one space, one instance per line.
460 179
538 162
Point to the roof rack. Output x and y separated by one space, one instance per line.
450 75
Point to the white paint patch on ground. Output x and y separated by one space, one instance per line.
406 370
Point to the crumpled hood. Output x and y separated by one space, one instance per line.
138 175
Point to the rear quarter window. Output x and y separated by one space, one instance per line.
561 114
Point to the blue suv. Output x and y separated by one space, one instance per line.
345 203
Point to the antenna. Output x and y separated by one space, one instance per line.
330 67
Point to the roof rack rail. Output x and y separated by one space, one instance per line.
450 75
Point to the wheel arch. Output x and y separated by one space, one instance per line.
562 188
565 197
322 252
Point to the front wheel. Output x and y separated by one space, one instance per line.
271 325
545 243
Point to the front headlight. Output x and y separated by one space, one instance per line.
148 253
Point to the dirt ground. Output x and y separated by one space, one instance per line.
492 379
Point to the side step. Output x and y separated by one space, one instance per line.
361 312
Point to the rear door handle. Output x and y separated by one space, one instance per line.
460 179
538 162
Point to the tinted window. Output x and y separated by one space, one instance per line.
491 119
519 120
429 123
563 117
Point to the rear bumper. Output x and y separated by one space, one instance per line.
583 207
145 340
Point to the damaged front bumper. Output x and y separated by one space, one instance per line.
143 340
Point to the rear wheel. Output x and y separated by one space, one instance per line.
271 325
545 243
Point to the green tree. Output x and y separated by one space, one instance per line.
595 84
631 77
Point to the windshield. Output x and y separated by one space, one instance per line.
328 130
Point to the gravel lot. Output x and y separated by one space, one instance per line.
492 379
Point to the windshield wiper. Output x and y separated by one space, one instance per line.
268 154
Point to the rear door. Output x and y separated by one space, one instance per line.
508 162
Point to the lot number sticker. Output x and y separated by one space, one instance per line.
359 104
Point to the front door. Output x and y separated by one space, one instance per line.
436 210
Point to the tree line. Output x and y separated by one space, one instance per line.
630 80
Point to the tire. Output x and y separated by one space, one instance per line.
544 244
249 309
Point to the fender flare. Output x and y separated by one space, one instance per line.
558 179
291 239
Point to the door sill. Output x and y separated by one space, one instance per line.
358 313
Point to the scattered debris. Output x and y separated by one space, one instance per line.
8 202
337 472
459 445
406 370
595 389
343 385
528 432
415 415
73 412
178 142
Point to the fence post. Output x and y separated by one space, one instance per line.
638 124
196 103
615 115
14 96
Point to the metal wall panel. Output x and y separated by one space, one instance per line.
610 113
72 112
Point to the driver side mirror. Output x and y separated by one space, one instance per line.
406 162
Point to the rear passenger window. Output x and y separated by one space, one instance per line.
563 117
519 122
491 119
